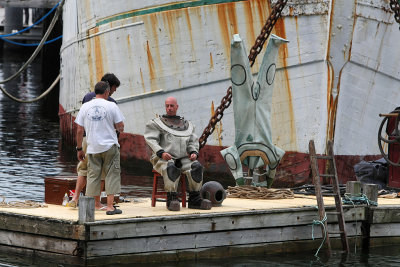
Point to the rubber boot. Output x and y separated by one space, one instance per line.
173 202
269 182
196 202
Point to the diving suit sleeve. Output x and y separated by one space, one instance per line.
152 136
193 144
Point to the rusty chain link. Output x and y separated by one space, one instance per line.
276 13
219 112
395 6
266 30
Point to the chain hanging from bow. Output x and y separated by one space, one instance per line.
276 13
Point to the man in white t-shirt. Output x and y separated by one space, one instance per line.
100 118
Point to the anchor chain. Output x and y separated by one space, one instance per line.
219 113
395 6
276 13
266 30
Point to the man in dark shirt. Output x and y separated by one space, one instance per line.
114 83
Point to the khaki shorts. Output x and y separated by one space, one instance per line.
81 169
107 162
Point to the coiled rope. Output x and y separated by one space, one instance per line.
33 56
253 192
27 204
353 200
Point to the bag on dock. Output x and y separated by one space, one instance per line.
372 172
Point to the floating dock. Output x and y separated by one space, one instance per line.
152 234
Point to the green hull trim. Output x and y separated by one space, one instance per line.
173 6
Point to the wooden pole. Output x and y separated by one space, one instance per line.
86 209
353 188
371 191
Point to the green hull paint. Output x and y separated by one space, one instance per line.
164 8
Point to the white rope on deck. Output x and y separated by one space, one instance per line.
27 204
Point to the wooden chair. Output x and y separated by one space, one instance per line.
162 194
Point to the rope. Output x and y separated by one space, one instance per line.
253 192
28 28
310 189
33 56
27 204
37 50
34 24
353 200
355 216
317 222
34 44
35 99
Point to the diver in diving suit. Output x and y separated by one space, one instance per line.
175 149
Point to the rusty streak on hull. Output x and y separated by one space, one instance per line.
181 49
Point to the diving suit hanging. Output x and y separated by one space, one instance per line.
252 112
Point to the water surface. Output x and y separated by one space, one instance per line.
30 146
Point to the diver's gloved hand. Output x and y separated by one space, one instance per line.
240 181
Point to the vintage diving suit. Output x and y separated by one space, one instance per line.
175 135
252 101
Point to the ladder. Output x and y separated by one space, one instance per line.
332 174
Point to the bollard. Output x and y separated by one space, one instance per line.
353 188
371 191
13 19
86 209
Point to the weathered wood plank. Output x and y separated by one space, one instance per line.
370 191
353 188
86 209
192 224
38 242
207 240
385 229
41 226
386 215
29 3
305 246
30 257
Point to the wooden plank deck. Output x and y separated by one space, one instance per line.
139 208
141 232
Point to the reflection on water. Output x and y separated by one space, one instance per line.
29 140
380 256
30 146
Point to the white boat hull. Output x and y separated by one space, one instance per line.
339 71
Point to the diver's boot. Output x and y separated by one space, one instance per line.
269 182
196 202
173 202
240 181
